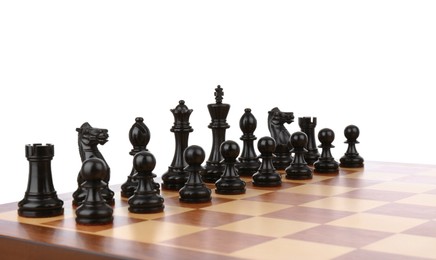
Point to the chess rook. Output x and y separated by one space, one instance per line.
326 163
230 183
351 158
307 126
248 162
266 174
218 112
298 169
40 198
94 210
194 191
145 199
176 177
276 121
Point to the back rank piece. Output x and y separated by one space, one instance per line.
176 177
88 140
40 199
248 162
139 136
276 120
218 112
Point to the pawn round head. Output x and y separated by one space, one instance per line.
326 135
194 155
298 139
94 169
229 150
351 132
144 161
266 145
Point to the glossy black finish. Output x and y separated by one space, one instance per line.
218 112
40 198
351 158
298 169
307 125
176 177
276 121
139 136
145 198
248 162
88 140
230 183
94 210
267 175
194 191
326 163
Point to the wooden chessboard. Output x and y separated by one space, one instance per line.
382 211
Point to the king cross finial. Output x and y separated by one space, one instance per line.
219 94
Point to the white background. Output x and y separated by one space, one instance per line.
62 63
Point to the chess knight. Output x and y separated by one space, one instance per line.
276 121
88 139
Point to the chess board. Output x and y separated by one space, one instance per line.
382 211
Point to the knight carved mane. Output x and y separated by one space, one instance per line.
276 121
88 140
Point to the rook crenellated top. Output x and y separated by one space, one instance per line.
307 122
39 151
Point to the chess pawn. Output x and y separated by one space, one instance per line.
266 174
194 191
145 199
298 169
307 126
40 199
176 177
139 136
276 120
230 183
94 210
351 158
248 161
326 163
218 112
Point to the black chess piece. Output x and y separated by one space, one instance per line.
195 190
139 136
326 163
267 176
40 198
88 139
176 177
94 210
230 183
307 126
248 161
145 198
218 112
298 169
351 158
276 121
